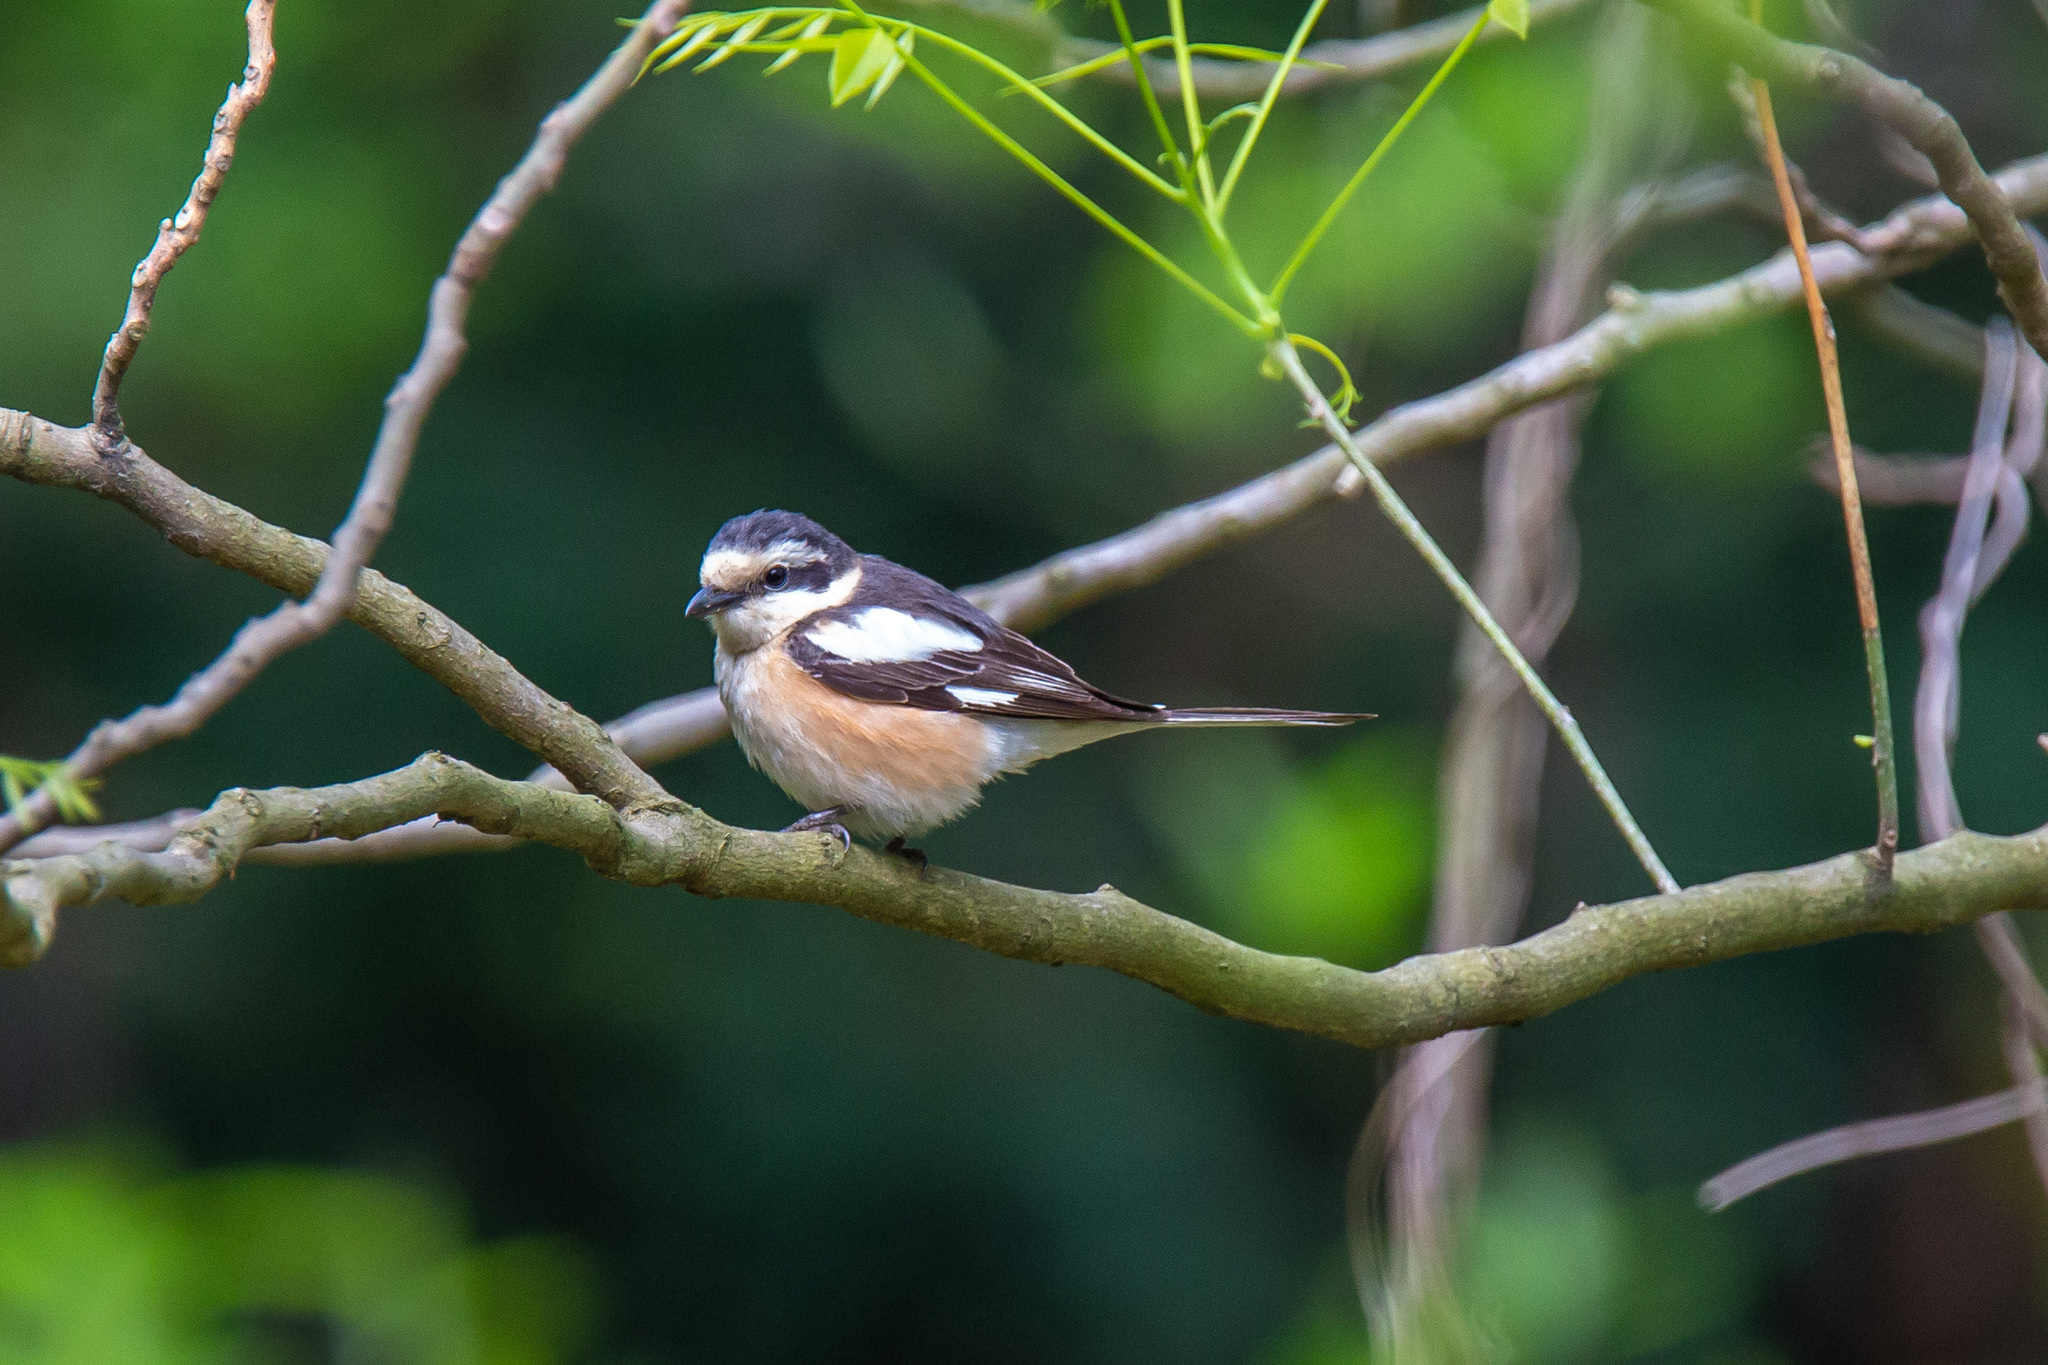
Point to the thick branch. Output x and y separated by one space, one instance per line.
39 452
211 528
1944 884
292 625
1901 106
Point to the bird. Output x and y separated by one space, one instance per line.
884 702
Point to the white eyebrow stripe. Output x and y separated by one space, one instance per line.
879 635
982 696
794 553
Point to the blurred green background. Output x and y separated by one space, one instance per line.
495 1109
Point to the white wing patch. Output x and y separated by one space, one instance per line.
982 696
879 635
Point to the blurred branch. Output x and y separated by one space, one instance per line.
1882 753
669 843
1561 719
176 235
1336 61
1898 480
1899 1133
293 624
214 529
1901 106
1822 223
1933 335
1492 768
1913 236
2012 421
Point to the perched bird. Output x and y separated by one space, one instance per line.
884 702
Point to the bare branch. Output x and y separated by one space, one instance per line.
1823 224
1933 335
39 452
1925 124
1941 885
176 235
293 624
2023 1062
1339 61
1897 480
1493 755
211 528
1869 1138
1935 705
1882 753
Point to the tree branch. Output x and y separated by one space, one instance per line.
1900 1133
1901 106
1953 882
262 641
213 529
175 236
1336 61
36 451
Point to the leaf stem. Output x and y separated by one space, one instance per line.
1266 102
1191 103
1282 350
1023 85
1080 200
1315 234
1150 97
1882 753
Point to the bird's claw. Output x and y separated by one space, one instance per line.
824 822
915 855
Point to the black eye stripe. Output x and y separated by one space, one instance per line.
810 577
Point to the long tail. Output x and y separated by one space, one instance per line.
1259 715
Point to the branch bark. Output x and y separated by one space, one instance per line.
1336 61
36 451
292 625
669 843
177 235
1901 106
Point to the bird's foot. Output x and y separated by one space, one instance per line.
824 822
914 855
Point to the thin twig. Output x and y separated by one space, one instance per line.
1935 704
1925 124
1882 756
294 624
40 452
1973 560
176 235
2023 1063
1567 727
1333 62
1822 223
1933 335
1899 1133
1493 755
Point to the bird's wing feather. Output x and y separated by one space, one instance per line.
1001 674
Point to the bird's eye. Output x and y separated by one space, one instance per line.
776 576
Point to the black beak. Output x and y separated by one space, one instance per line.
711 601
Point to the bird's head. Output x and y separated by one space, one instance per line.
766 571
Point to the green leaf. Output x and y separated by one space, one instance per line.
860 58
692 42
1512 15
897 52
732 46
